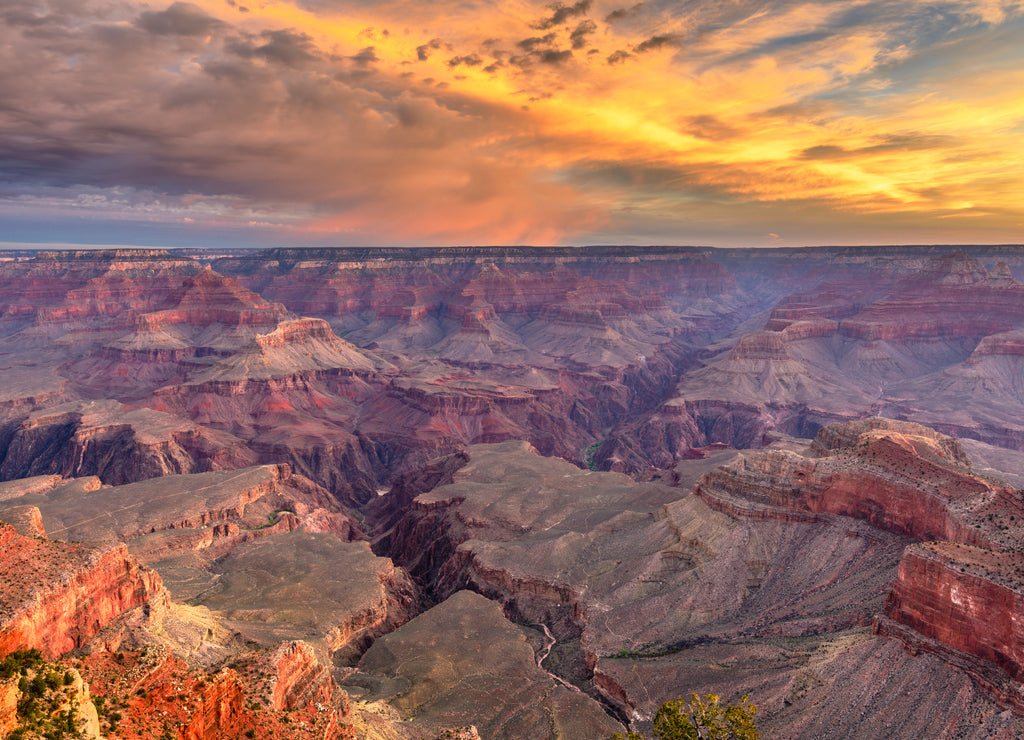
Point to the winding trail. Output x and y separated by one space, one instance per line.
545 652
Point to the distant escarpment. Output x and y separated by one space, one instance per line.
165 367
934 342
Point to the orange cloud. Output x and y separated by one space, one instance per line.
520 121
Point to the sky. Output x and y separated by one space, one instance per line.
464 122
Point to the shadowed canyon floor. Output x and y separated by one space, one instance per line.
398 493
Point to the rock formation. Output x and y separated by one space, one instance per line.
57 596
323 452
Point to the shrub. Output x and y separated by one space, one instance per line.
702 718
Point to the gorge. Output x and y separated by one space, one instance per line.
515 492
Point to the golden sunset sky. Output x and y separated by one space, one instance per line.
348 122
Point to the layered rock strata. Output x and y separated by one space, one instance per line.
57 596
962 602
612 567
897 475
957 597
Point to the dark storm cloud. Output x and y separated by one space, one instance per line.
181 19
554 56
579 35
287 47
542 50
561 13
618 56
470 60
365 57
534 42
423 51
166 115
654 43
623 13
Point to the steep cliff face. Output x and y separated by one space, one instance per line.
216 710
897 475
301 679
961 604
612 567
57 596
967 598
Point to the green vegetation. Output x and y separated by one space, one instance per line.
702 718
271 519
588 454
46 707
19 662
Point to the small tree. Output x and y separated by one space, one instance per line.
702 718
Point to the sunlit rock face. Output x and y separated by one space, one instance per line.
961 602
58 596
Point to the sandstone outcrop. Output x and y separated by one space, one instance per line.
56 596
967 600
897 475
301 679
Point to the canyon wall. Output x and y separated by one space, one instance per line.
58 596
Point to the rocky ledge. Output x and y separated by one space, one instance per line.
56 596
897 475
963 603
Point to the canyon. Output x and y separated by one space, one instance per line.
515 492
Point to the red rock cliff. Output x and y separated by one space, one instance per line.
56 596
301 678
896 475
968 599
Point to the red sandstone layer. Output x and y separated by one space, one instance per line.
56 596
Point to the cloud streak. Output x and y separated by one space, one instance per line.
402 122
